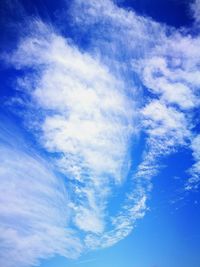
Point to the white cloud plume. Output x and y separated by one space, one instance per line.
88 120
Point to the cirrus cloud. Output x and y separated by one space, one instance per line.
86 108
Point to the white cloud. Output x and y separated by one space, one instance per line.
123 223
167 130
34 212
165 122
170 72
167 63
195 8
88 120
194 180
167 82
85 109
117 35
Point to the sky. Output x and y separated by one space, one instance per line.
99 133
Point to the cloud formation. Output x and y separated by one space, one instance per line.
88 120
195 10
165 67
89 106
34 213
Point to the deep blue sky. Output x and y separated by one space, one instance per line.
172 12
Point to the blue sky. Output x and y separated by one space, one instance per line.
99 133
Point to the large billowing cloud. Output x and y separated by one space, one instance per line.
86 108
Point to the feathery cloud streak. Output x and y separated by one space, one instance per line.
34 211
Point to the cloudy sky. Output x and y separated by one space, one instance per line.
99 133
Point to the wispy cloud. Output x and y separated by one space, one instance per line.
194 172
195 10
33 206
170 73
85 261
87 106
